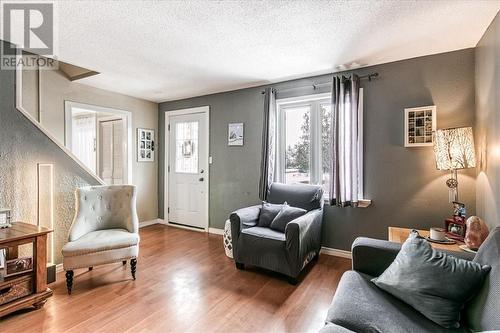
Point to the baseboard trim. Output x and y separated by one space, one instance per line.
180 226
216 231
336 252
149 222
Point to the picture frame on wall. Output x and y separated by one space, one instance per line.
145 145
235 134
419 126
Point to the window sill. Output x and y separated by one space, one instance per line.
363 203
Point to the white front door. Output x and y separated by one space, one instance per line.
188 170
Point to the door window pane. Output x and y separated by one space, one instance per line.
326 127
298 147
186 147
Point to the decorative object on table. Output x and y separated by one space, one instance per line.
454 150
18 266
420 123
459 210
228 242
466 248
445 241
235 134
476 232
437 234
455 228
5 218
145 145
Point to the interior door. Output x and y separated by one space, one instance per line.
111 151
188 170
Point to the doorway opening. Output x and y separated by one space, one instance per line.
101 138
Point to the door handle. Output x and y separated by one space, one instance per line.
201 179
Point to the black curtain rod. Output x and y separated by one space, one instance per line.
315 86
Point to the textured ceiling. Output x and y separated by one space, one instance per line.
165 50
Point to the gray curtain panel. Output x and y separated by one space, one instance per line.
267 165
344 168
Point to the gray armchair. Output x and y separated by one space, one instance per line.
289 252
359 306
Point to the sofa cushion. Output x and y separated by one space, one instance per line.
483 312
101 240
263 232
307 197
332 328
433 282
359 306
286 214
268 212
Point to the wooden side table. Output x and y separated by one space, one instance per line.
30 288
399 235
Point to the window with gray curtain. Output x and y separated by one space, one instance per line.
346 168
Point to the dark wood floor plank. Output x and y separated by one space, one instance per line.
185 283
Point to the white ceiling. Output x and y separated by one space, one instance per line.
166 50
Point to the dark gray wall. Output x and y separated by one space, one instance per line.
22 146
488 122
403 183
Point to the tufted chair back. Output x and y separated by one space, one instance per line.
104 207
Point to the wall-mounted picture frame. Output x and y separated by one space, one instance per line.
145 145
419 126
235 134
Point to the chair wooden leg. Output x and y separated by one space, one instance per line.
69 281
133 263
91 268
239 265
124 262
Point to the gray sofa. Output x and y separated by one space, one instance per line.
289 252
359 306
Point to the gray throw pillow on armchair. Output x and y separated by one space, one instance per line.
434 283
267 213
286 214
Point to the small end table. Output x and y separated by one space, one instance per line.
27 289
399 235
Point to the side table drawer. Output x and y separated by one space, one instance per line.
16 288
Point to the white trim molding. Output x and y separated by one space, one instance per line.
216 231
336 252
149 222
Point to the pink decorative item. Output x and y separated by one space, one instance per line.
476 233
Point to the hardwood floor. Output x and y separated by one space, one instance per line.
185 283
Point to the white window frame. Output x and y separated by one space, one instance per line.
315 132
315 158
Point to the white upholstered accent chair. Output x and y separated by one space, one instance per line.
105 229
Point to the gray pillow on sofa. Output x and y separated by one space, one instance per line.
434 283
267 213
286 214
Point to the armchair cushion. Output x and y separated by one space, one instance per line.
286 214
265 233
101 240
267 213
428 280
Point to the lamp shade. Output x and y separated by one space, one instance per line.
454 148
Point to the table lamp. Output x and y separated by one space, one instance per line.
454 149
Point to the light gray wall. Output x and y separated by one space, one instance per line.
488 122
22 146
403 183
